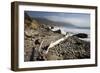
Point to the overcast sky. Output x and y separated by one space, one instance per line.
78 19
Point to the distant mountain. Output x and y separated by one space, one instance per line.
52 23
83 27
47 22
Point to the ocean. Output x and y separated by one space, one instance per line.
73 31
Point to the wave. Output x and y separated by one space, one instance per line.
65 30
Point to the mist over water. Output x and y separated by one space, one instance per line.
64 30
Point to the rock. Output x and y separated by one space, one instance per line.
27 49
54 57
37 42
34 24
51 27
28 33
81 35
57 31
47 28
78 49
45 47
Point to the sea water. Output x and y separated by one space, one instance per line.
73 31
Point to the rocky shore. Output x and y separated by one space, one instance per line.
38 37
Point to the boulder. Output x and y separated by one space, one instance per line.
81 35
51 27
57 31
37 42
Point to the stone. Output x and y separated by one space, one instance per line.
81 35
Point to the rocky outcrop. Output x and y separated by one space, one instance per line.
81 35
57 31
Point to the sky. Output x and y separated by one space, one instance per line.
77 19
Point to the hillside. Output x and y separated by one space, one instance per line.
38 37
